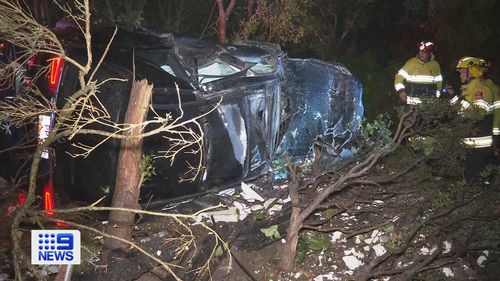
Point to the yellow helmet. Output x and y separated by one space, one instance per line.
484 65
474 66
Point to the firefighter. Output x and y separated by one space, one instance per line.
420 76
477 101
496 107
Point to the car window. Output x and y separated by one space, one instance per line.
260 68
168 69
215 71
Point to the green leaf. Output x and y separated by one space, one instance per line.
219 251
271 232
258 217
389 228
329 212
315 244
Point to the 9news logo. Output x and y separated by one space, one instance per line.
55 247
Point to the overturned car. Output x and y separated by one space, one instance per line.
242 91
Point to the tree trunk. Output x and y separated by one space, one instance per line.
41 12
289 249
222 20
127 189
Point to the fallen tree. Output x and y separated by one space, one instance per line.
440 145
81 114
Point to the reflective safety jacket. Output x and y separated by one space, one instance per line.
419 79
478 104
496 106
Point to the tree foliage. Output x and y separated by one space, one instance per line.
278 21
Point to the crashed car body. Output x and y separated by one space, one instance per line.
237 89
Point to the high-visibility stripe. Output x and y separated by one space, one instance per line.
483 105
465 104
413 100
496 131
495 105
420 78
454 100
478 142
438 93
399 86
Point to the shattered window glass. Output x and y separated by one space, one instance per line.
215 71
168 69
262 68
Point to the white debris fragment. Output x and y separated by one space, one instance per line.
366 248
105 222
274 208
327 276
377 203
374 238
446 247
243 210
379 250
283 241
482 258
282 186
249 194
297 275
353 251
257 207
357 241
336 236
352 262
349 272
227 192
448 272
286 200
158 253
424 251
227 215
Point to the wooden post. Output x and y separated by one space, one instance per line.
127 189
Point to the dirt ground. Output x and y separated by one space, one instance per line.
365 232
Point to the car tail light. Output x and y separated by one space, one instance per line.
56 65
31 62
21 198
48 198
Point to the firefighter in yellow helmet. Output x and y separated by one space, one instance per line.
477 101
420 76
